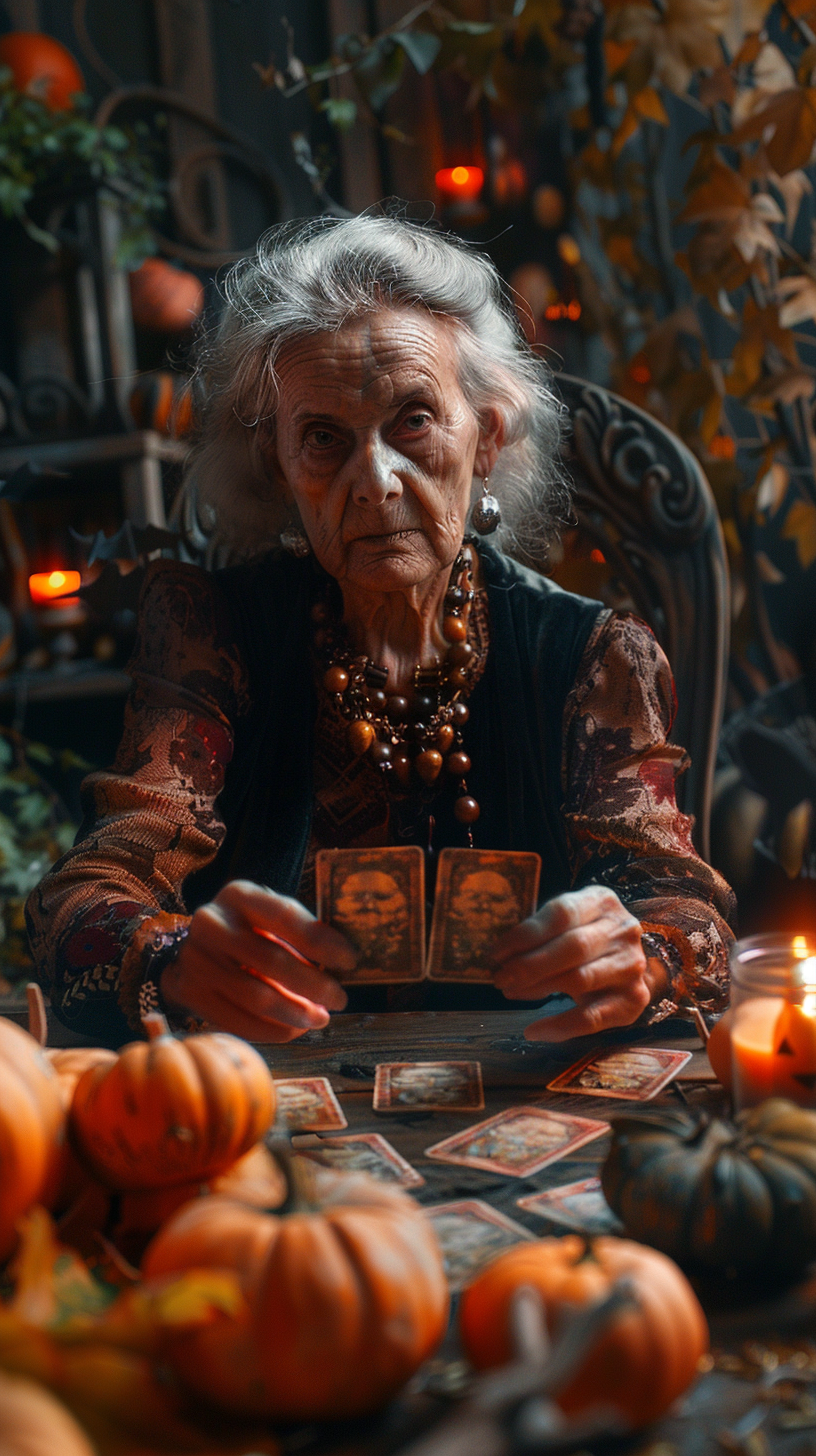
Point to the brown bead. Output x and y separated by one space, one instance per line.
459 654
429 765
444 738
320 612
454 629
458 763
381 752
360 735
376 700
466 810
461 713
458 678
336 679
396 707
321 637
422 706
401 766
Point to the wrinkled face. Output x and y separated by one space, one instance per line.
376 446
485 901
369 901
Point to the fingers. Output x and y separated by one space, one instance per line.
566 912
231 998
239 944
576 962
263 909
598 1013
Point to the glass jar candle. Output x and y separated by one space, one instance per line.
773 1019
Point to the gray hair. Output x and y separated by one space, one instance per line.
314 277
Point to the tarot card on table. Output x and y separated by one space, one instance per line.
376 897
470 1234
580 1206
636 1073
308 1104
361 1152
518 1141
428 1087
480 893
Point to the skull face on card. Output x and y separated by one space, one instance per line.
376 898
479 895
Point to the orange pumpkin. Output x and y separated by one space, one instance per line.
641 1362
41 67
32 1126
163 401
34 1423
168 1111
345 1298
165 298
718 1047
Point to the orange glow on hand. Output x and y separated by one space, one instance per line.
460 182
50 586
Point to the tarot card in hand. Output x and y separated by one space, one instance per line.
428 1087
580 1206
361 1152
634 1073
308 1104
480 893
376 897
518 1141
470 1234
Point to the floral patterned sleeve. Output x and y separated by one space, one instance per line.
110 914
623 825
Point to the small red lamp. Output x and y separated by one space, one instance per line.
460 184
47 587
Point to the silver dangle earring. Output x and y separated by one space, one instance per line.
486 514
295 541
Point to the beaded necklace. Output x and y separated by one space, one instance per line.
410 738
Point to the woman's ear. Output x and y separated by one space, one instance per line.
491 440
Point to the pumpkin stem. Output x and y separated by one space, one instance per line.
156 1025
587 1254
37 1019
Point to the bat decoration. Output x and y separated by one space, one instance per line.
30 482
112 592
129 543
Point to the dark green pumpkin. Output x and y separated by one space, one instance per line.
717 1195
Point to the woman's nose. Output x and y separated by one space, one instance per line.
376 477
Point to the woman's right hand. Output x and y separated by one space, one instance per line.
230 974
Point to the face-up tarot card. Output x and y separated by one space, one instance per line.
480 893
518 1141
376 897
361 1152
471 1234
308 1104
635 1073
428 1087
580 1206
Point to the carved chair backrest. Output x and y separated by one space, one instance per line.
643 501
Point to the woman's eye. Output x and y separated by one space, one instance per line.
320 439
416 421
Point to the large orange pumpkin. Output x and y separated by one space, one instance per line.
168 1111
32 1126
640 1364
41 67
165 298
345 1299
34 1423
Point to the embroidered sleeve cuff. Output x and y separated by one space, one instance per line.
155 943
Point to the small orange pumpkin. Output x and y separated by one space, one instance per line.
718 1048
645 1359
41 67
165 298
168 1111
34 1423
346 1296
32 1126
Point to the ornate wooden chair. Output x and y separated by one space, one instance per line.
645 516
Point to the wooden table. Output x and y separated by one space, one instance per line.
516 1071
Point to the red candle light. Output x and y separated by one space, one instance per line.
45 587
460 184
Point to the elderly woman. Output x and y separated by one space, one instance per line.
372 673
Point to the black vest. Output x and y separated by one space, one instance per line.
513 737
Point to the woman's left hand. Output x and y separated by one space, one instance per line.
587 945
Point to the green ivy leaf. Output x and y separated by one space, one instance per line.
341 112
421 47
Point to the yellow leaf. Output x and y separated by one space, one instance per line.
800 527
647 104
